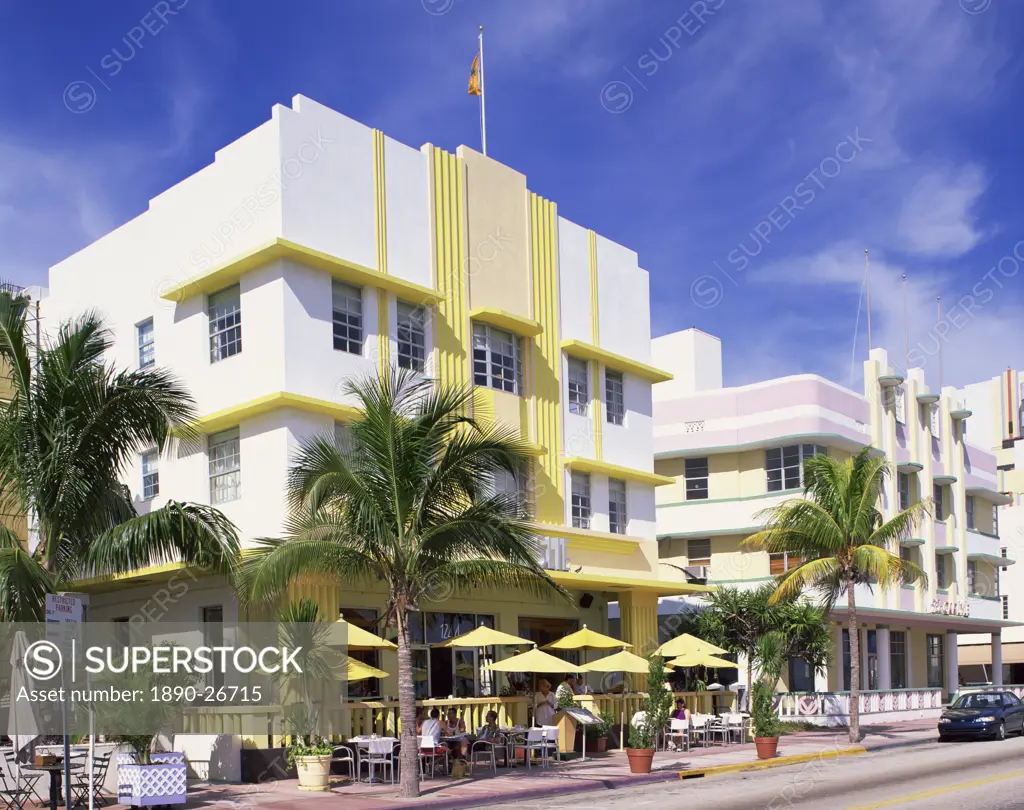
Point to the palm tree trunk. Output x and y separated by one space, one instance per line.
854 665
410 756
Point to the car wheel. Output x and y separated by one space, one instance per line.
1001 731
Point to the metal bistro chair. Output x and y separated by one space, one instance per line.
484 750
80 786
717 729
734 726
541 739
430 751
380 754
20 780
700 731
13 795
344 756
679 730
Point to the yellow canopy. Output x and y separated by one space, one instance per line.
484 637
533 661
699 659
359 671
681 645
357 638
624 661
587 640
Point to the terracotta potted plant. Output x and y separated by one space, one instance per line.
647 724
769 656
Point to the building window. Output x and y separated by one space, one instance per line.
933 645
147 345
696 472
937 493
903 484
782 561
940 570
972 577
366 619
497 359
614 397
213 636
1005 599
342 436
785 465
150 474
906 553
122 631
617 519
412 337
898 658
225 314
1002 553
995 520
225 467
935 415
581 500
969 506
900 404
698 552
347 315
579 393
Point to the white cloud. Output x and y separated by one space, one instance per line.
937 218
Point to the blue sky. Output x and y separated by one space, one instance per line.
748 151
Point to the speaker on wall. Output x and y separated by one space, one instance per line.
586 600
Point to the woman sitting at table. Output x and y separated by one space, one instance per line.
421 716
490 730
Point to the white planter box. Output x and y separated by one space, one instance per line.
162 782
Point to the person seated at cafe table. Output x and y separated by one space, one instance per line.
490 730
421 716
454 724
432 727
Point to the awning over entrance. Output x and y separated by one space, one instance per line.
932 621
604 582
977 654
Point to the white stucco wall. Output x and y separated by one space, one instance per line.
624 303
574 282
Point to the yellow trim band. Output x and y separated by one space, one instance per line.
450 321
228 273
589 351
591 465
229 417
595 312
517 324
603 582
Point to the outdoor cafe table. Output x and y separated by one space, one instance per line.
56 773
364 742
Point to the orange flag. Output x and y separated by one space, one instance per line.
474 77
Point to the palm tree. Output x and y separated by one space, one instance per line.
67 435
843 539
406 502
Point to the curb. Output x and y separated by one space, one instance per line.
904 744
778 762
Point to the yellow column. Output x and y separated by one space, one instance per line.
638 624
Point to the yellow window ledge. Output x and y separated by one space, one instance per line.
224 275
590 465
525 327
588 351
229 417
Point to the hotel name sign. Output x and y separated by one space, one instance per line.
953 607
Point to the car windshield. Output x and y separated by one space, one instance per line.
978 702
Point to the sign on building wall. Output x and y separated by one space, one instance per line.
957 607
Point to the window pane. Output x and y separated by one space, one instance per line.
147 346
581 511
614 397
774 480
698 551
347 310
412 336
773 458
497 359
617 520
579 396
150 474
225 313
225 467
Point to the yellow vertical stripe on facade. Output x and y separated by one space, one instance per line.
381 233
450 318
595 331
547 360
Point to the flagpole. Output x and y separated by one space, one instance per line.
867 289
483 108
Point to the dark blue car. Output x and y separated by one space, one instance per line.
983 714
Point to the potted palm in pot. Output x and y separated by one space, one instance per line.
302 628
769 655
648 723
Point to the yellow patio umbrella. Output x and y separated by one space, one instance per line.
586 639
699 658
534 661
623 661
484 637
356 670
356 638
684 644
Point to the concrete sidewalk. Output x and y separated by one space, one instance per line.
604 772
